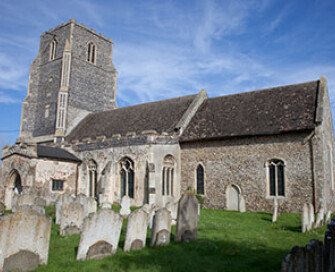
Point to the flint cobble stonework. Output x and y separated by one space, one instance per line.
242 162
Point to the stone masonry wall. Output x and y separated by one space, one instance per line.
242 162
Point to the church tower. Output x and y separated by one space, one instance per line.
72 76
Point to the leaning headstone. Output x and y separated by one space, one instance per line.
173 208
125 206
320 217
89 203
275 210
63 199
328 217
305 218
72 218
39 201
2 208
187 221
24 240
311 216
161 228
100 235
136 233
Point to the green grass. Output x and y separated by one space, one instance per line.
227 241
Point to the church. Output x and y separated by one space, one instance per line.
238 152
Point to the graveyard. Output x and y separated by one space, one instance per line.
227 241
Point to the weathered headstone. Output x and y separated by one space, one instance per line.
311 216
63 199
2 208
173 208
187 221
329 248
136 232
35 208
305 218
125 206
100 235
320 217
89 203
161 228
72 218
328 217
24 240
275 210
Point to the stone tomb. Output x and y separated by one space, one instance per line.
125 206
161 228
100 235
72 218
24 240
187 221
136 233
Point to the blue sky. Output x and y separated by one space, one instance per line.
164 49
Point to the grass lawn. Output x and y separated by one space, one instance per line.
227 241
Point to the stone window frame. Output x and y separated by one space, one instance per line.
168 175
196 178
129 171
53 49
268 181
57 185
92 173
91 54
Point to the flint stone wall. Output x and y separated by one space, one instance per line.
72 218
100 235
22 232
136 232
241 161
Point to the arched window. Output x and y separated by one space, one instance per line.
276 178
92 176
200 180
168 175
53 47
127 177
91 52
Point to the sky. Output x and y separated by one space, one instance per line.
164 49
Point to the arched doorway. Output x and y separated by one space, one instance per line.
14 187
233 195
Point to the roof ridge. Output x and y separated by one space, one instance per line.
264 90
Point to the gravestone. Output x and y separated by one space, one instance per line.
314 255
125 206
173 208
187 221
100 235
63 199
136 232
275 210
328 217
305 218
311 216
89 203
2 208
161 228
36 208
72 218
320 217
24 240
